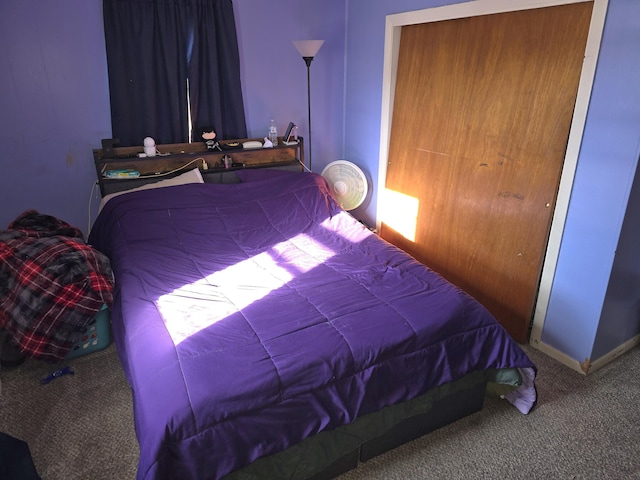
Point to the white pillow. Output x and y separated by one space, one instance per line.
192 176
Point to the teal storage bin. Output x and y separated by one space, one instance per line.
96 337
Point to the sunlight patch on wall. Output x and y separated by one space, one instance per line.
400 212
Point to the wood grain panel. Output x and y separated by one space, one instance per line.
482 112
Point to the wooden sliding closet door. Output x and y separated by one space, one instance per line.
481 117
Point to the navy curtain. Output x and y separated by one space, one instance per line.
214 71
156 50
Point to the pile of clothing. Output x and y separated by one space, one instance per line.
52 284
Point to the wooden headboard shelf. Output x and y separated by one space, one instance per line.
176 158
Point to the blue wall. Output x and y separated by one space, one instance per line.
620 318
55 106
600 200
55 110
274 76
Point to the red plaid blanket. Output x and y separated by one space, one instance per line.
52 284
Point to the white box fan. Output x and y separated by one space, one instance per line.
348 183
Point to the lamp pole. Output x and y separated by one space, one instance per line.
308 50
308 61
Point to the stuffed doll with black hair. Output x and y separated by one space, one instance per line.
208 136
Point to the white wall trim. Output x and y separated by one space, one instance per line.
393 28
615 353
560 357
587 366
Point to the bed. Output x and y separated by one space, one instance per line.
266 333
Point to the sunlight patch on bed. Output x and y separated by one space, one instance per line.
198 305
400 212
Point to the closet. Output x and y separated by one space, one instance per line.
482 111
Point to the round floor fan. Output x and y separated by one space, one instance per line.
348 183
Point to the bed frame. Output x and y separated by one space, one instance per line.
330 454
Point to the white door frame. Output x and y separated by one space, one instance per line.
393 29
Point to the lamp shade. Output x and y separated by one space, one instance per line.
308 48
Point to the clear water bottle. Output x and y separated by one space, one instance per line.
273 133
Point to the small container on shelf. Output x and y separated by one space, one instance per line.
273 133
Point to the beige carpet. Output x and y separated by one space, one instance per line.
78 426
81 427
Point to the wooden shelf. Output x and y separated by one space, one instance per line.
177 158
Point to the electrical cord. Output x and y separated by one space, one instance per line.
93 189
164 174
304 166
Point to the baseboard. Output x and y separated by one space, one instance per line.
587 367
615 353
557 355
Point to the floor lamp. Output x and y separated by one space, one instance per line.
308 49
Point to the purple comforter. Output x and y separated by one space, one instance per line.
248 317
